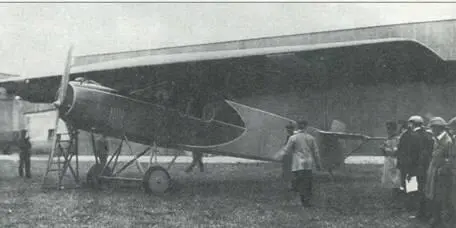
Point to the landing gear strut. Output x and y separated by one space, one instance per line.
156 180
95 171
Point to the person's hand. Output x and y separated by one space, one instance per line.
409 177
279 155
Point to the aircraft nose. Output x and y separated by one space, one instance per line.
65 105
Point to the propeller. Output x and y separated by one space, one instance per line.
65 80
61 94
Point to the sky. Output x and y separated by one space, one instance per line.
34 37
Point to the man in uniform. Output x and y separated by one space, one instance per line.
303 147
24 154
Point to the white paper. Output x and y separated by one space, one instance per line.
412 185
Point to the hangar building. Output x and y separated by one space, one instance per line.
397 101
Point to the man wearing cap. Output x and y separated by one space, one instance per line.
414 153
303 147
437 185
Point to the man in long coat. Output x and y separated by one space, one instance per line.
414 152
391 175
437 179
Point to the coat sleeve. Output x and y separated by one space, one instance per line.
288 149
315 152
441 152
402 151
447 156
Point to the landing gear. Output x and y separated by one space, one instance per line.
95 172
156 180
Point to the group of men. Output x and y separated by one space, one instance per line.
427 154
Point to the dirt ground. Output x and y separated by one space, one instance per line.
226 195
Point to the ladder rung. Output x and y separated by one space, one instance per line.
60 158
58 162
53 170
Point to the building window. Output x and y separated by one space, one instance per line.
50 134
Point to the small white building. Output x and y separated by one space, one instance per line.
41 124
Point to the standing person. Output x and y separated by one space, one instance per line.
451 168
391 175
287 160
414 153
403 128
197 160
24 154
102 149
304 150
437 183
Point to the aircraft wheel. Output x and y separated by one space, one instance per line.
94 173
156 180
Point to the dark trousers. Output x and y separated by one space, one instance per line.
420 197
303 185
197 160
286 169
24 163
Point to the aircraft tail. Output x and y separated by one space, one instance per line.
332 148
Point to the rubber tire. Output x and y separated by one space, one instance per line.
147 176
94 172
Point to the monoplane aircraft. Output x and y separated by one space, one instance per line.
186 101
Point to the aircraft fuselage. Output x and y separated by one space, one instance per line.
105 111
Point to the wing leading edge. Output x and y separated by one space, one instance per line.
123 74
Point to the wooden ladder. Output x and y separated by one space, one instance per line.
61 156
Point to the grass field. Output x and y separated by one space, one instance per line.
228 195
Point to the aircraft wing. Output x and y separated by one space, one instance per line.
235 67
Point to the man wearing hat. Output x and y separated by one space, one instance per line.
414 152
304 150
437 183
